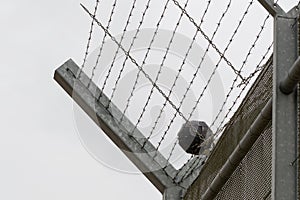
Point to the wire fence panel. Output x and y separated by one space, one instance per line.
252 178
166 63
162 68
257 163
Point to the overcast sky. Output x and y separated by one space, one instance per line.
41 156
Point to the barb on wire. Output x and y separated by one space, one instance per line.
207 38
130 47
218 63
160 67
178 74
103 41
89 38
241 68
144 60
194 75
258 68
244 62
221 128
118 49
135 63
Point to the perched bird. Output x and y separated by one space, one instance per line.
195 137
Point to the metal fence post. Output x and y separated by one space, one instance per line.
284 124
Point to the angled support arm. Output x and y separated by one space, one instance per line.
273 8
157 170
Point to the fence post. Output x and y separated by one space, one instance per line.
284 124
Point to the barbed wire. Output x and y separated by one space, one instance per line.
220 128
160 68
207 38
178 74
118 49
89 39
258 68
135 63
103 42
139 67
244 81
244 62
144 60
218 63
194 75
241 68
130 47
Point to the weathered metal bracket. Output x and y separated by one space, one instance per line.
284 121
158 170
273 8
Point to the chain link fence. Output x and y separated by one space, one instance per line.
252 178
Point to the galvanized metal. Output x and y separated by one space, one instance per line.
273 8
288 84
85 95
284 140
240 151
174 193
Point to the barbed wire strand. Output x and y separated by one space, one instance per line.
258 68
131 45
89 38
103 41
241 68
132 60
194 76
214 71
191 170
218 63
220 60
135 62
160 67
207 38
144 60
245 85
177 75
118 49
202 59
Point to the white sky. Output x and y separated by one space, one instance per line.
41 156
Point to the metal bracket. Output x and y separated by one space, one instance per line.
273 8
284 122
157 169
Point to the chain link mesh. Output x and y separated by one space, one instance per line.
252 178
